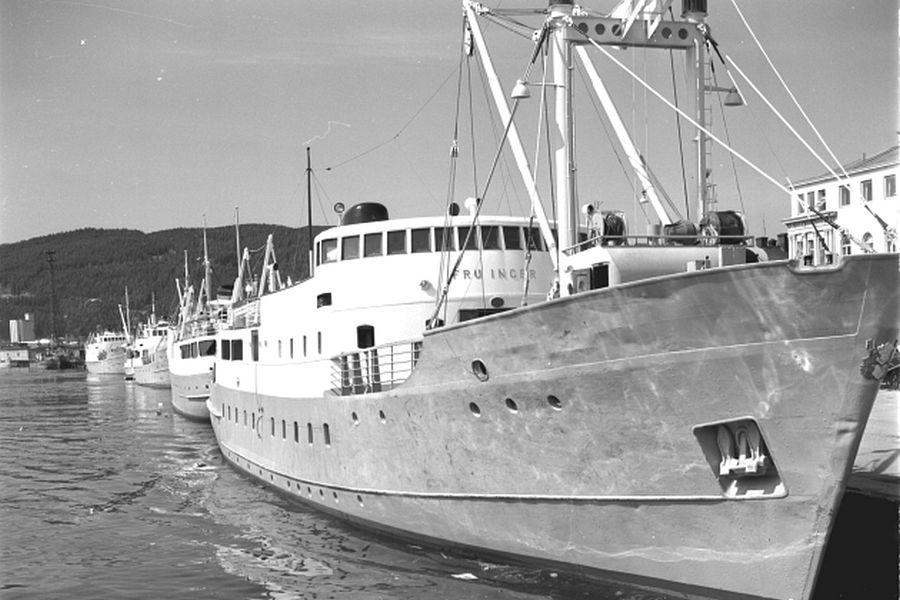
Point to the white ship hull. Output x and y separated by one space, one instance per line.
591 440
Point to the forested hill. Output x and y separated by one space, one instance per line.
92 268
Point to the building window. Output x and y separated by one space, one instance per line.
865 190
272 419
846 247
890 186
845 195
810 200
820 203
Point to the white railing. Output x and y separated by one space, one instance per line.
375 369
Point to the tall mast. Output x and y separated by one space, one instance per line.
694 11
309 234
207 272
563 151
237 237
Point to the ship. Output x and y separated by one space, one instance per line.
150 354
665 410
192 350
104 353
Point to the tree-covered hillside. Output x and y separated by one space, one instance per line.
92 268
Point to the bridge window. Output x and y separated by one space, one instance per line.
490 237
443 239
327 251
207 348
323 300
372 244
535 241
350 248
396 242
461 233
512 238
421 240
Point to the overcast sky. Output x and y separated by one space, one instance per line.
149 114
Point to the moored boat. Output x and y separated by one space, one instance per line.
192 350
150 354
104 353
661 410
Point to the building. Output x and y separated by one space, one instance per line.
863 204
21 330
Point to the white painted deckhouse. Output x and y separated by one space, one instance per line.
862 201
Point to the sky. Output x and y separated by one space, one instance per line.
156 114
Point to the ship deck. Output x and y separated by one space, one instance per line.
876 471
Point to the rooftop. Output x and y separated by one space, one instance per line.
885 158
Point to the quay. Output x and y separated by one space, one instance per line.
876 471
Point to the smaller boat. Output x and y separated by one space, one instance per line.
149 352
104 353
192 350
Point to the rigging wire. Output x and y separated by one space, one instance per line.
788 90
399 131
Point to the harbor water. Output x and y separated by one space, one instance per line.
106 493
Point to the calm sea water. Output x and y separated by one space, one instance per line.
105 493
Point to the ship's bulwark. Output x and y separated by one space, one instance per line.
614 478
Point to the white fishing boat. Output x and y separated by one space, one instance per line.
150 353
104 353
662 410
192 351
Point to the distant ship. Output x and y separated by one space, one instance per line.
104 353
192 349
150 353
664 410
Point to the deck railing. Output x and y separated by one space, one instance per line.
375 369
245 314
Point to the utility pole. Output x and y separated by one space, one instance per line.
50 259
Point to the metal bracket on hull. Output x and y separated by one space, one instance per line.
739 458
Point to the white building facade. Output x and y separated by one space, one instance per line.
864 206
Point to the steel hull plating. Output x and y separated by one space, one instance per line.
190 392
154 373
581 441
113 364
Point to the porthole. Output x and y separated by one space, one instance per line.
334 494
511 405
583 27
359 499
616 30
666 33
599 29
554 402
355 418
321 493
683 34
382 416
480 370
474 408
309 491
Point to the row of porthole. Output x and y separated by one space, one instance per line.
513 407
299 486
617 30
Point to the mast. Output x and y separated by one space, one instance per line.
309 229
563 152
237 237
694 11
207 272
